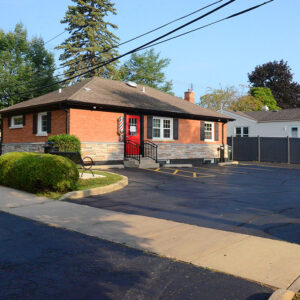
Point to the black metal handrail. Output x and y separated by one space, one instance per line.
150 150
133 150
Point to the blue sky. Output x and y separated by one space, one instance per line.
220 54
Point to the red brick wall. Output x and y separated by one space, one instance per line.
189 132
25 135
94 126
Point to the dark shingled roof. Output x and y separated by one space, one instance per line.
111 93
292 114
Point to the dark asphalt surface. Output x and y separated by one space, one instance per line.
255 200
42 262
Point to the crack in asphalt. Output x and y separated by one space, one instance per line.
250 220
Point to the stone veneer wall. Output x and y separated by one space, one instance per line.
189 151
23 147
98 151
115 151
103 151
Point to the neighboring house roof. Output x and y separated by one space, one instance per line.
105 93
292 114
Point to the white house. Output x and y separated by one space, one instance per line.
279 123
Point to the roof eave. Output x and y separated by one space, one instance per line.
101 107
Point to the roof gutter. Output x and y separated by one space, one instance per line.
66 104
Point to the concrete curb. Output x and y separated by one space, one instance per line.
288 294
97 191
228 163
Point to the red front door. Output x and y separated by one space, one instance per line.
133 124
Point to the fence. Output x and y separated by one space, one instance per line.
265 149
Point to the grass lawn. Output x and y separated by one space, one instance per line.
86 184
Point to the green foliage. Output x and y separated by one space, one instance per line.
89 39
34 172
66 142
215 99
264 95
279 78
246 103
147 69
24 65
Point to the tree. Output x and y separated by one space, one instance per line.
246 103
148 69
216 99
25 65
264 95
278 77
90 42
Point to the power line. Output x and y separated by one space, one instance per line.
151 31
55 37
210 24
134 50
130 40
150 44
199 28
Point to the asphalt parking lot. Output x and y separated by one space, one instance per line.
252 199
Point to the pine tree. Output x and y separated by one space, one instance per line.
90 38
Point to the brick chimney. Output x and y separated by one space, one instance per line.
189 96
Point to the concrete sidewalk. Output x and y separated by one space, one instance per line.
270 262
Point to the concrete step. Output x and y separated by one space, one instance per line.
145 163
131 163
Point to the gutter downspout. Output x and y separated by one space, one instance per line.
67 110
223 145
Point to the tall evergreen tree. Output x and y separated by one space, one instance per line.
90 38
24 65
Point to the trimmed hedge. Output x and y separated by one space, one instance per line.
66 142
35 172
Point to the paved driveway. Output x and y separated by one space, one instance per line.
255 200
43 262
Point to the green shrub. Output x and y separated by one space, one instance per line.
66 142
35 172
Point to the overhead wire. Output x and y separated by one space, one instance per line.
127 41
152 43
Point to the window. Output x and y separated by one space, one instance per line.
42 124
294 131
242 131
209 131
238 131
16 122
245 131
132 126
162 128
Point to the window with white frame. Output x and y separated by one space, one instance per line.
241 131
209 131
162 128
42 124
294 132
245 131
16 122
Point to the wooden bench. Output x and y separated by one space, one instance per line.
86 163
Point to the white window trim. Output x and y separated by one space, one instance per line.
291 133
162 129
242 130
248 131
212 134
13 126
39 125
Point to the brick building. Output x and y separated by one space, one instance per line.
108 116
